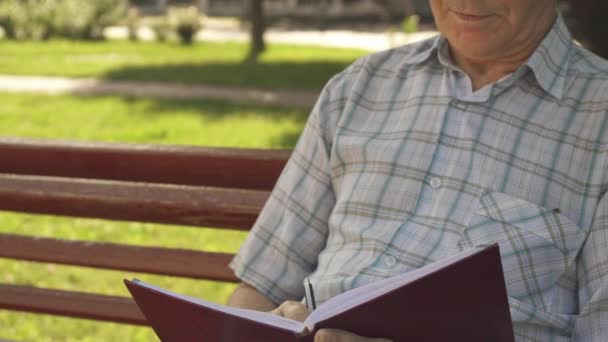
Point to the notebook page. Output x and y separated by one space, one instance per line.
258 316
349 299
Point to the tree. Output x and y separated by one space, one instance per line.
258 26
409 7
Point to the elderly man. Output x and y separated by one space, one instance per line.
494 131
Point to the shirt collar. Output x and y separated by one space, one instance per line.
421 52
551 60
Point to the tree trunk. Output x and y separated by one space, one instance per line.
409 7
258 26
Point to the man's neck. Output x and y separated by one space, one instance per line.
484 71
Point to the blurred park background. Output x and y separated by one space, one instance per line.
202 72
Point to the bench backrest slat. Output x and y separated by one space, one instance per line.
144 202
220 167
174 262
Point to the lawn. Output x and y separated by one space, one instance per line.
282 66
147 120
113 118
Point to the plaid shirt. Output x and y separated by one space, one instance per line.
402 164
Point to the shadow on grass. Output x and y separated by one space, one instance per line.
268 75
213 110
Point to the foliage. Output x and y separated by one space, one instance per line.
27 19
76 19
410 24
186 21
161 28
86 19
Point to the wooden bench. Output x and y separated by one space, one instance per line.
194 186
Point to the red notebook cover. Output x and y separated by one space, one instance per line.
465 301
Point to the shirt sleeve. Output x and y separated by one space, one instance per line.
592 321
284 243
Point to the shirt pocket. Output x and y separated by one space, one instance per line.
537 244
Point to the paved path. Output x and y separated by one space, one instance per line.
231 30
89 86
371 41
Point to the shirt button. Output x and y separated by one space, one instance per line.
390 261
435 183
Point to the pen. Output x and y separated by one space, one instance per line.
309 295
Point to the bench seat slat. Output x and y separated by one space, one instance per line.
175 262
188 165
71 304
144 202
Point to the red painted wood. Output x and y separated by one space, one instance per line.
174 262
144 202
71 304
220 167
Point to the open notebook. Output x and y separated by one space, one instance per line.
462 297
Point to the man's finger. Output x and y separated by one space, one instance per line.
331 335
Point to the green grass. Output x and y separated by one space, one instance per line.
282 66
112 118
128 119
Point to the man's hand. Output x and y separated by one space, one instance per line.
293 310
299 312
330 335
